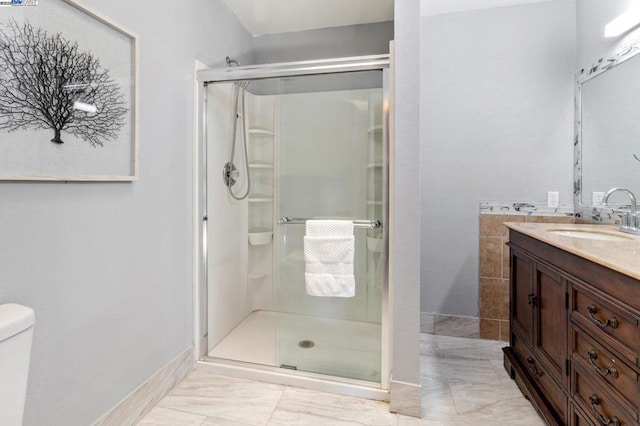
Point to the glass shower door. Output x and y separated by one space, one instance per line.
329 151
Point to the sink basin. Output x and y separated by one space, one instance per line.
589 234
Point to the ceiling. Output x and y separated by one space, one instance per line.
261 17
441 7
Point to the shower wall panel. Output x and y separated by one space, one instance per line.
260 111
227 225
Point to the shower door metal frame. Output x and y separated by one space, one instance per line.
267 373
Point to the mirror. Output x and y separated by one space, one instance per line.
608 127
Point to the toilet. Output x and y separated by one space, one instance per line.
16 334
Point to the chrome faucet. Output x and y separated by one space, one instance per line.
630 221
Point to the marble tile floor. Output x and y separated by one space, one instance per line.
464 384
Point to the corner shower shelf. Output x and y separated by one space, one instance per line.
375 129
259 131
373 165
374 203
260 198
260 236
256 277
260 165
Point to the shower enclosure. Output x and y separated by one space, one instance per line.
305 140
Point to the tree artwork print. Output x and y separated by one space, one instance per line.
49 83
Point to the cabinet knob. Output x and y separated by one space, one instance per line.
593 356
613 322
532 299
604 421
531 363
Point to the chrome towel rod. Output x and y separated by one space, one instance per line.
373 224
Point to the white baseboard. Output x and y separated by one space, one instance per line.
139 402
405 398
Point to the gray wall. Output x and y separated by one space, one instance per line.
108 267
591 17
405 273
497 124
355 40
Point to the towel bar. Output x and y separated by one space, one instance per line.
373 224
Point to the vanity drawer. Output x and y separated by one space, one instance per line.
609 369
542 378
577 417
596 402
615 326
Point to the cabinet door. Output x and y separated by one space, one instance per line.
522 296
550 316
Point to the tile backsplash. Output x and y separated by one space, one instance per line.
525 209
493 282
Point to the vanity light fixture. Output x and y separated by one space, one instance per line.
623 23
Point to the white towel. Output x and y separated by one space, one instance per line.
328 255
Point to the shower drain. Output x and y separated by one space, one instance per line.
306 344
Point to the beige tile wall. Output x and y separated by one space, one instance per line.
493 291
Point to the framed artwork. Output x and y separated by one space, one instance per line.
68 95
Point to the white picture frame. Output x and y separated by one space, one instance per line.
82 90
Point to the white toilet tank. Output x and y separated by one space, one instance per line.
16 334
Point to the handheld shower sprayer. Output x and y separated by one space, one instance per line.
230 173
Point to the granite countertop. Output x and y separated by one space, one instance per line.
622 256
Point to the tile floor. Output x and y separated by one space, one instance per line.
463 382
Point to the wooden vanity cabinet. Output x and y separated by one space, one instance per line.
538 333
574 336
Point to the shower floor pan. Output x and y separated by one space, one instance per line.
340 348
